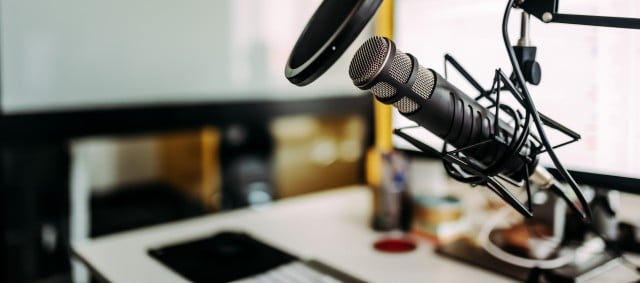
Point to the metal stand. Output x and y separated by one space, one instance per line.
547 11
461 169
464 170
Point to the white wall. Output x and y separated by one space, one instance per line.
68 54
589 74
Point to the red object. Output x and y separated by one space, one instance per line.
395 245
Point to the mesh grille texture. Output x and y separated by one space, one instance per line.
368 60
401 67
425 82
406 105
383 90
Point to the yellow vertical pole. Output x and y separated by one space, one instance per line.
382 113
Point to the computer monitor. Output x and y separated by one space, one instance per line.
589 75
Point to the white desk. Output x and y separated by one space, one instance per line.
332 227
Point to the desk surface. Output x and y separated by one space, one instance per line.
332 227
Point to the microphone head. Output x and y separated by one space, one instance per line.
369 60
367 70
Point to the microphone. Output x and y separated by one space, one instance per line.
490 147
425 97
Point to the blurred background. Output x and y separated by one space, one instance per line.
123 114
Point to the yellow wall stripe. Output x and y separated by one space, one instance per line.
382 112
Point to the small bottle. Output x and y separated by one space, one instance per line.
394 211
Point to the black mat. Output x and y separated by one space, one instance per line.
223 257
229 256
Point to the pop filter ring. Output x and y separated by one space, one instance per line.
311 57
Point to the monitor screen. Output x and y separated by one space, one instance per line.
64 55
589 74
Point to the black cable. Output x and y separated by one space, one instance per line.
586 213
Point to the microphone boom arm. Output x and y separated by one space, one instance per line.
547 11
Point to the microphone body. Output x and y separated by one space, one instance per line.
426 98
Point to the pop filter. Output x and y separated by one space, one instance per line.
331 29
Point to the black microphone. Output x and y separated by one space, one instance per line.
423 96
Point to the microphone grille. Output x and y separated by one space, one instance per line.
400 71
423 86
367 65
383 90
406 105
425 82
369 60
401 67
